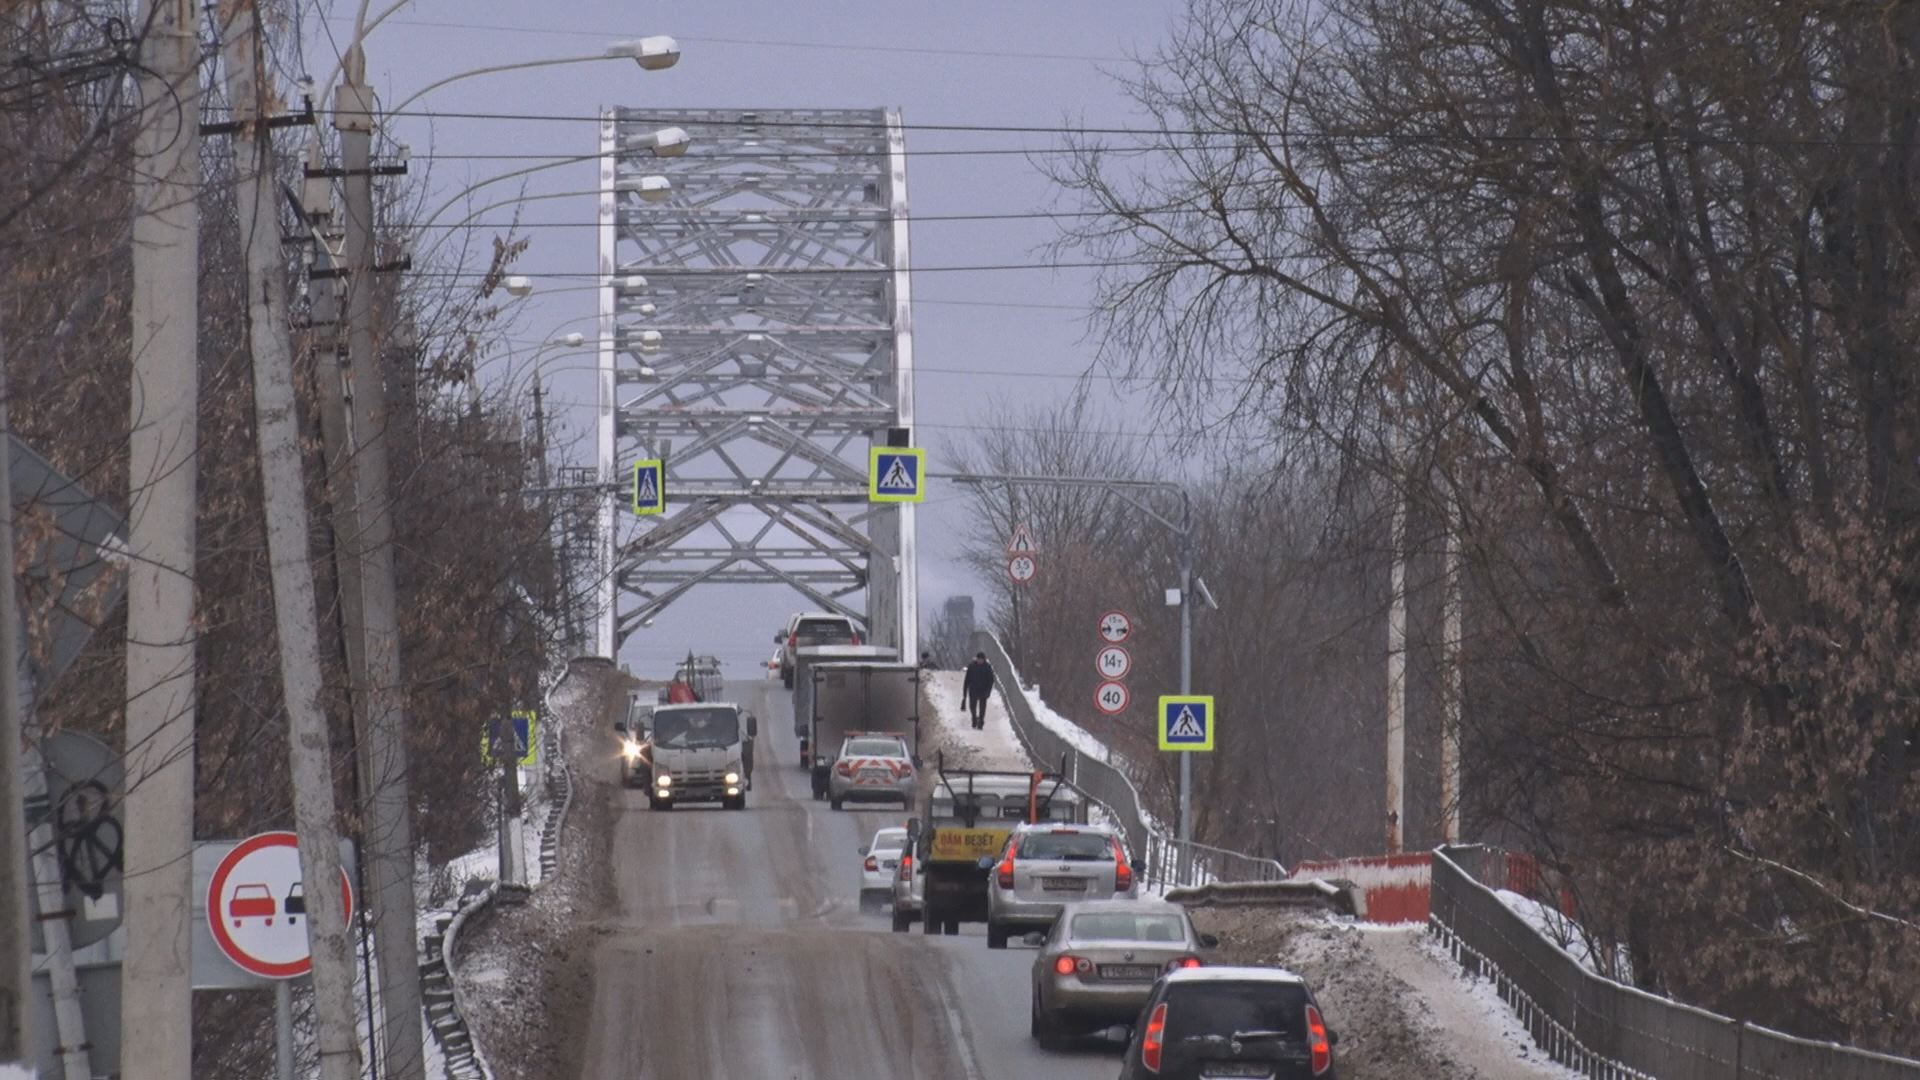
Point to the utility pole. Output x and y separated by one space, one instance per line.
296 618
1397 654
1450 673
389 827
16 940
162 472
1185 823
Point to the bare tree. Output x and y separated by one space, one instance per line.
1640 275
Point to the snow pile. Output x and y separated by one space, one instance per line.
1401 1009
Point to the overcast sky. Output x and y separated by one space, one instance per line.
978 335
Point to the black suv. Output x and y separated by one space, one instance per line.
1208 1023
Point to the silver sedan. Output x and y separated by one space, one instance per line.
1098 964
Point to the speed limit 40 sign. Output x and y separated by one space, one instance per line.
1111 697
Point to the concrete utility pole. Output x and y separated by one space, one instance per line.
16 940
1397 658
296 618
389 827
1450 703
162 471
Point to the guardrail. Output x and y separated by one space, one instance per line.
1170 862
1606 1029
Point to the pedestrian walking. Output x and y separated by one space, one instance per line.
976 688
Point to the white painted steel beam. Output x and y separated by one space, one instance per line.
769 349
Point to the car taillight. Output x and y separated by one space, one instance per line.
844 769
856 637
872 864
906 866
1122 872
1155 1038
1317 1042
1006 873
1068 965
1179 962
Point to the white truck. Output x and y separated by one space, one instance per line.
804 661
700 752
874 696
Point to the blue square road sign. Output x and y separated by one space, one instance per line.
1186 722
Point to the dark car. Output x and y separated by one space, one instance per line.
1211 1022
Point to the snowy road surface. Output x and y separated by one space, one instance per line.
738 949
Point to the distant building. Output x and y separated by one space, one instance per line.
959 615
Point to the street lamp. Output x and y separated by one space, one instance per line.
652 54
667 142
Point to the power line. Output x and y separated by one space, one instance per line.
831 46
1634 138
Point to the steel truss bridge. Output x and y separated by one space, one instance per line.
756 336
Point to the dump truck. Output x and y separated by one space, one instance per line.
965 818
879 697
803 662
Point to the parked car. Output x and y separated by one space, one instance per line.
812 628
871 767
1207 1022
1099 962
879 863
1045 866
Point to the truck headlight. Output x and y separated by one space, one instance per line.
733 778
630 750
663 780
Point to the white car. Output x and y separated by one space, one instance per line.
880 862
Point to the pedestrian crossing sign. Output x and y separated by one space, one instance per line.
1186 722
650 486
897 474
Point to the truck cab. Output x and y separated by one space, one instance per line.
967 816
699 753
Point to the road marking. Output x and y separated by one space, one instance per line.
957 1025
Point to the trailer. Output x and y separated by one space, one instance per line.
803 662
880 697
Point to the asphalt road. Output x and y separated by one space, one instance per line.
739 951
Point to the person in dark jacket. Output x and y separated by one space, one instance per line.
976 689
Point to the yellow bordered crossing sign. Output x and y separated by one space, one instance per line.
650 486
522 728
1186 722
897 474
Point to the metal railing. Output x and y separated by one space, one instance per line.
1170 863
1607 1030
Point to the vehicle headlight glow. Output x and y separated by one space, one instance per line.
663 780
733 778
629 749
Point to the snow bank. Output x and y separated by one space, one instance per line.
1563 932
1076 736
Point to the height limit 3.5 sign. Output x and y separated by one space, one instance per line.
1022 569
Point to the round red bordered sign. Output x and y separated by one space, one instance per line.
1111 697
1022 568
1113 662
257 910
1115 627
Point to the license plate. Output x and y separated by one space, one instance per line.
890 865
1130 972
1239 1068
1063 884
873 774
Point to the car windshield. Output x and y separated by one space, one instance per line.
690 729
1125 926
890 840
823 632
1069 846
874 748
1197 1010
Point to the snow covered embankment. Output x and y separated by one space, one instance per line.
1400 1005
